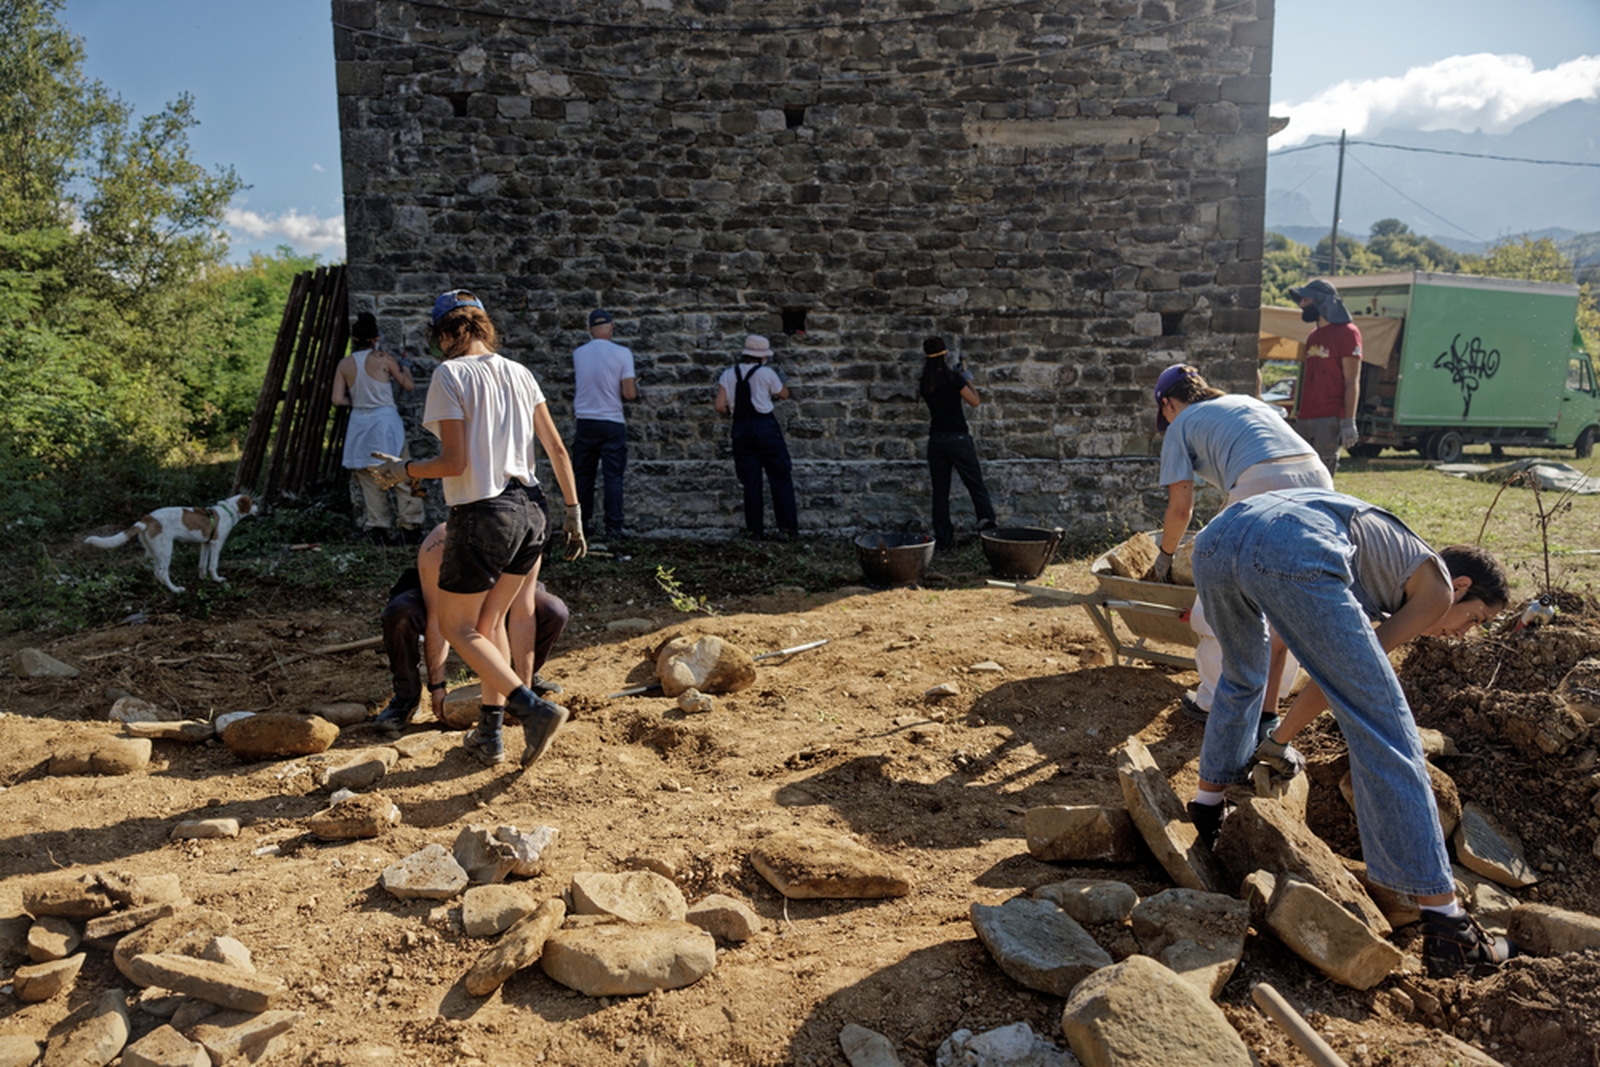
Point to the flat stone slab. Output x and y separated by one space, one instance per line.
619 959
819 864
188 932
1081 834
41 981
109 756
487 910
1264 835
1138 1013
165 1047
363 770
204 829
725 918
1091 900
1199 935
1547 931
530 847
1163 821
52 938
429 874
189 731
95 1041
72 896
218 983
229 1034
632 896
521 947
1324 934
1485 846
133 710
276 735
1037 944
355 818
345 713
137 890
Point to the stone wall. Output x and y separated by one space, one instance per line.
1069 191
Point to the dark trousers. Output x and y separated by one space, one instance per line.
405 619
955 452
600 445
758 446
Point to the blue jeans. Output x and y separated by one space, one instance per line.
1288 562
758 446
603 445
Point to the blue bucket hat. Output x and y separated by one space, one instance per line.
1166 383
455 298
1325 298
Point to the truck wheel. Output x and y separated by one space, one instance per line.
1447 446
1584 444
1365 450
1425 446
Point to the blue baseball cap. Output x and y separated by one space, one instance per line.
1166 383
455 298
599 317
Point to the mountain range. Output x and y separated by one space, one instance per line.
1462 200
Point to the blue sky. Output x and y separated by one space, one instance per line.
261 73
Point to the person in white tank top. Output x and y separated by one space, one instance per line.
362 382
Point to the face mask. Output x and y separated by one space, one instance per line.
1309 314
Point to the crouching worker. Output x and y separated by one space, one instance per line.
1316 565
533 625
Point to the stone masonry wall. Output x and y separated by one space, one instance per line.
1069 191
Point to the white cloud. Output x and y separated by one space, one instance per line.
1494 94
318 168
304 233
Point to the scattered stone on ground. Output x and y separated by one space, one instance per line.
364 816
1110 1020
1322 932
693 702
188 932
632 896
1081 834
1161 820
41 981
218 983
530 848
97 1038
32 663
277 735
725 918
1038 944
1199 935
134 710
521 946
165 1047
1005 1046
807 864
362 770
188 731
1091 900
942 691
108 756
1484 845
429 874
487 910
229 1034
204 829
867 1048
708 664
344 713
482 854
52 938
621 959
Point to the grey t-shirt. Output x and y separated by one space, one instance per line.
1387 555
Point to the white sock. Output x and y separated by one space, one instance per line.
1452 910
1208 797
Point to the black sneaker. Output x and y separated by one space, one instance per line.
1207 819
1451 946
1191 709
544 687
393 718
484 742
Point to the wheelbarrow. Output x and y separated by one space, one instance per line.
1151 611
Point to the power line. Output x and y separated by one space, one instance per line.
1418 203
1438 152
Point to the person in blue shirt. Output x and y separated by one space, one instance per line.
1242 446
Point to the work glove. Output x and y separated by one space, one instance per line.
783 375
1161 569
1347 433
391 472
572 526
1282 758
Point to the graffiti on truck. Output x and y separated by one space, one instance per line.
1469 367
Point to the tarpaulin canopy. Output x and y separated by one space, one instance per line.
1283 336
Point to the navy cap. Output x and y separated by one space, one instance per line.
599 317
455 298
1166 383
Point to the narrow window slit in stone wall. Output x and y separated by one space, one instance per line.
458 103
794 115
1172 324
794 321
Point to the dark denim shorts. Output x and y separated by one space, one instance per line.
501 535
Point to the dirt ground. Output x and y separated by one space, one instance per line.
824 739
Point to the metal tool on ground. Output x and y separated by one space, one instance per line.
639 690
1307 1040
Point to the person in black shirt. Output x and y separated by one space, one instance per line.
945 385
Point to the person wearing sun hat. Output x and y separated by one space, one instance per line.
1242 446
747 391
487 412
1330 387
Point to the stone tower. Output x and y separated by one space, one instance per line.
1068 191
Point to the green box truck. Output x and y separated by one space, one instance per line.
1450 360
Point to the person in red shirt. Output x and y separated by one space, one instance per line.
1330 388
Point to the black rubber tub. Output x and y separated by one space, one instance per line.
1020 551
889 559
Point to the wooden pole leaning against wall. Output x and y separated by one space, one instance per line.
331 337
248 476
300 387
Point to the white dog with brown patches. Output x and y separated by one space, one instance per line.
159 530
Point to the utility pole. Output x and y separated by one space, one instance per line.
1338 191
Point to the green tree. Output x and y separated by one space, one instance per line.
1522 257
1284 263
1397 248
